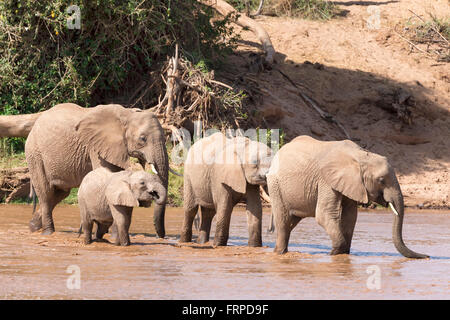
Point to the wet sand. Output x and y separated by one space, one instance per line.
33 266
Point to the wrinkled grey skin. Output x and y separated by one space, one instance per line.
105 197
217 183
68 141
326 180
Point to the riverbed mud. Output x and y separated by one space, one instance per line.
33 266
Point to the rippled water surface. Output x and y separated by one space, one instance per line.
33 266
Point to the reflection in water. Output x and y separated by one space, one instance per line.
34 266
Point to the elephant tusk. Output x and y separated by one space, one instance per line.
153 169
393 208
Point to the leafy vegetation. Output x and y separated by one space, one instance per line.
43 62
433 33
307 9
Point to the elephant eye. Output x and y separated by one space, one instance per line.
142 183
381 180
143 138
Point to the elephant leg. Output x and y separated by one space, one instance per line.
283 227
329 213
87 230
205 224
122 218
36 221
102 228
224 209
282 219
47 206
254 216
333 227
190 210
189 215
348 220
114 233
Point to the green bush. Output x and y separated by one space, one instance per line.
119 44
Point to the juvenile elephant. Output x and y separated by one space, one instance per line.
105 197
68 141
218 173
326 180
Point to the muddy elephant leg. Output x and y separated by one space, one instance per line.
348 221
186 229
283 227
205 224
224 210
48 203
190 211
329 213
331 222
87 230
281 218
122 218
102 228
254 216
36 221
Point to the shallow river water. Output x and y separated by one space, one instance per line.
33 266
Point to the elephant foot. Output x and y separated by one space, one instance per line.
35 224
220 243
255 243
122 244
87 241
185 238
280 250
48 231
336 251
202 239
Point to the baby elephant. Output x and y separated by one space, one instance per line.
105 197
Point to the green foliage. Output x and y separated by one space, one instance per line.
9 159
11 146
72 198
43 62
313 9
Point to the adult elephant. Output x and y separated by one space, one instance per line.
218 173
326 180
68 141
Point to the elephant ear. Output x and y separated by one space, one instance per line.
230 172
342 172
118 193
103 132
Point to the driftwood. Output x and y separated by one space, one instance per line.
246 22
14 184
17 125
191 93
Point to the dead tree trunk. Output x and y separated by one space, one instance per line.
224 9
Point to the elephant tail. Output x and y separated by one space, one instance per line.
32 195
79 231
271 227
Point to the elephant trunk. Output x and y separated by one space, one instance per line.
17 125
161 163
395 198
162 194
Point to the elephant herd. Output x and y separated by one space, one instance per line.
90 148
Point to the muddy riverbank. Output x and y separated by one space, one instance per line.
36 267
